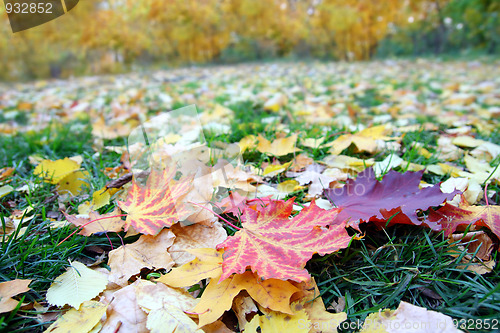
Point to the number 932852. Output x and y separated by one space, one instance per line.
29 7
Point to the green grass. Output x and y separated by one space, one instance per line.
405 263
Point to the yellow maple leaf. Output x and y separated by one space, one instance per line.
278 147
74 183
207 264
276 322
364 140
82 320
271 293
55 171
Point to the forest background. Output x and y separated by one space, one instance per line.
113 36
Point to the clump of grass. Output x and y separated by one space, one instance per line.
405 263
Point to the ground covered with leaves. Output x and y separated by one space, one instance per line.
297 197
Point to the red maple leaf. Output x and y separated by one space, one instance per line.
367 199
275 246
235 203
156 205
450 217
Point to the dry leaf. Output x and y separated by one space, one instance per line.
77 285
124 314
194 236
408 318
147 251
279 147
9 289
82 320
101 222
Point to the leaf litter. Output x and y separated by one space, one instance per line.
234 239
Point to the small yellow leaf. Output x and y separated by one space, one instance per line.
278 147
247 142
275 169
79 321
467 141
54 171
276 322
5 190
77 285
74 183
208 264
289 186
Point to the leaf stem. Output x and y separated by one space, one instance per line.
232 225
86 224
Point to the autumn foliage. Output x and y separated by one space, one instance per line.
107 36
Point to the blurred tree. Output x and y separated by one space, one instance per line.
112 35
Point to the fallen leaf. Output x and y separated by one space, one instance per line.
157 204
124 314
9 289
408 318
276 247
165 307
244 308
279 147
321 321
313 174
82 320
109 222
271 293
207 264
77 285
74 183
275 103
148 251
54 171
478 246
5 190
450 217
195 236
300 162
364 140
275 169
6 173
365 198
276 322
390 162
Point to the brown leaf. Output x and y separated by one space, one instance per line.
195 236
147 251
8 290
124 314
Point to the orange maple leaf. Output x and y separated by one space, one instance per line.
451 217
158 204
277 247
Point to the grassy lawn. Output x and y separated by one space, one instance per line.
424 103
